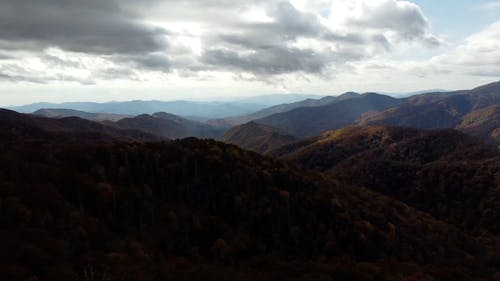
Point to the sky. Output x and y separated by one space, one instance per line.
103 50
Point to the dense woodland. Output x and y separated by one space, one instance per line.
199 209
446 173
172 210
86 201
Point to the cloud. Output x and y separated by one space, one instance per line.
479 55
396 20
475 61
110 39
91 26
15 73
268 61
301 41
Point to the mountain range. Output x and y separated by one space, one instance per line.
311 121
238 120
16 127
357 187
472 111
201 209
191 109
442 172
201 110
62 113
170 126
442 110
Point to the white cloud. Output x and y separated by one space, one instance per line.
321 46
479 55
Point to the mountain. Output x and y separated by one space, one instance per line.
311 121
276 99
238 120
61 113
257 137
170 126
436 111
202 210
203 110
415 93
484 123
444 173
17 127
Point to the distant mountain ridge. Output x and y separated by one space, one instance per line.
170 126
16 127
238 120
436 110
443 110
307 118
203 110
61 113
275 99
311 121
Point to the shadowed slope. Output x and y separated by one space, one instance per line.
446 173
257 137
311 121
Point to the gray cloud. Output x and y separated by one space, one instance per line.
90 26
269 48
154 61
120 35
14 73
115 73
403 18
55 61
273 60
6 57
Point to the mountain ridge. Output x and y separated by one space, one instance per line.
310 121
423 168
170 126
170 209
257 137
61 113
17 127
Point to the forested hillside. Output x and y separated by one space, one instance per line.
195 209
445 173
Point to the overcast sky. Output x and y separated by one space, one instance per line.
101 50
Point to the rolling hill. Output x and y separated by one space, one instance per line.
170 126
85 201
442 172
62 113
202 210
257 137
437 111
16 127
238 120
311 121
484 123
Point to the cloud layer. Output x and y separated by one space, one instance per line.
94 41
